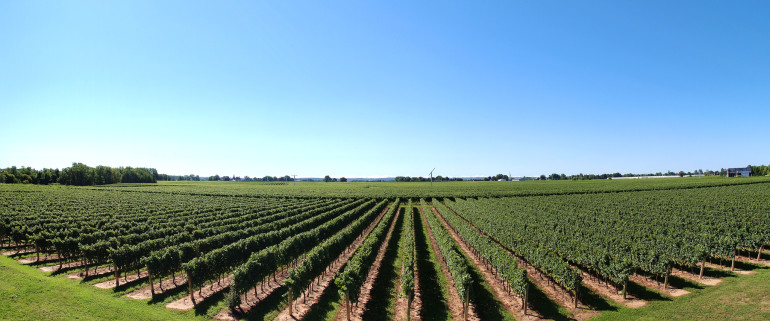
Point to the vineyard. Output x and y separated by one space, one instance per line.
399 251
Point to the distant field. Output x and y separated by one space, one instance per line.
602 249
440 189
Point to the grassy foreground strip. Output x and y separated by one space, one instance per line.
29 294
744 297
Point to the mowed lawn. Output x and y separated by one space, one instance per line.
743 297
30 294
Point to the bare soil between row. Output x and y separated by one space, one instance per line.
454 302
302 306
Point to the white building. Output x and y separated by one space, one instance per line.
739 172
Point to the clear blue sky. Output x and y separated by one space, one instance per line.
385 88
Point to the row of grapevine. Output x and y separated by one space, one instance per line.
490 253
453 189
322 255
215 264
261 264
352 277
178 248
408 262
169 260
458 266
611 235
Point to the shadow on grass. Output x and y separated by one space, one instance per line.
644 293
104 275
268 307
595 301
131 284
741 265
326 304
169 292
683 283
434 305
202 308
81 268
540 302
41 263
752 253
385 284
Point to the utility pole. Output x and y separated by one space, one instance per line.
295 179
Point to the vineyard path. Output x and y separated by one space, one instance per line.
454 302
160 287
357 310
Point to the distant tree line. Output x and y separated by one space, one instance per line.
80 174
756 170
191 177
286 178
438 178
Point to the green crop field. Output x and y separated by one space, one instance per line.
646 249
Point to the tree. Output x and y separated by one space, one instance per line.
681 174
542 177
343 179
79 175
327 178
555 177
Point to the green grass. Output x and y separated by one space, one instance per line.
327 307
743 297
26 293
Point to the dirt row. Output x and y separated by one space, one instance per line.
159 287
300 307
201 294
18 252
455 303
205 292
563 297
357 310
512 302
724 268
128 278
401 304
401 301
752 260
657 286
57 267
542 281
41 259
95 272
252 298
